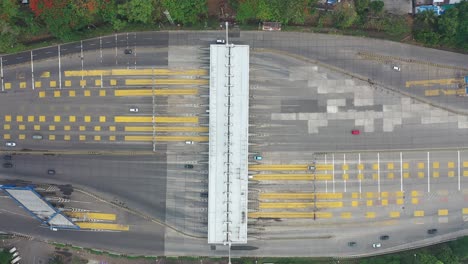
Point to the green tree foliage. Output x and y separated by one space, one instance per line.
445 254
344 15
424 28
186 11
396 25
461 38
460 248
247 11
138 11
286 12
376 7
448 24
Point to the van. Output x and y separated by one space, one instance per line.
37 137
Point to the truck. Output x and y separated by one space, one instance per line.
12 250
15 260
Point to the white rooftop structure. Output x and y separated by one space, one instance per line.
228 151
39 208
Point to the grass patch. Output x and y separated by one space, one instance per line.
5 257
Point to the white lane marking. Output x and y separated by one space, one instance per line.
344 171
378 173
92 44
401 171
107 42
333 171
459 183
60 68
32 71
360 172
428 173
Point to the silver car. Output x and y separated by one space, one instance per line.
10 144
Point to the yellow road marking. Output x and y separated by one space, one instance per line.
290 215
442 212
6 136
82 137
435 165
82 83
451 173
400 201
68 83
369 202
19 118
300 205
384 194
433 82
22 85
420 174
72 119
384 202
56 93
87 73
21 127
435 92
8 118
300 196
406 175
21 136
52 137
375 166
435 174
45 74
451 165
66 128
111 128
345 167
37 84
97 138
369 195
360 166
465 173
102 226
71 93
419 213
395 214
113 82
97 216
405 165
57 119
421 165
52 128
465 211
87 119
165 81
346 215
390 166
288 167
53 84
82 128
399 194
30 118
97 82
292 177
97 128
7 86
370 214
102 119
390 175
159 119
149 92
87 93
165 138
345 176
6 126
111 138
414 200
37 127
465 164
354 203
102 92
66 137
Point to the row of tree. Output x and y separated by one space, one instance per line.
451 28
63 19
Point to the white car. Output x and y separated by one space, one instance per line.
396 68
376 245
134 110
10 144
189 142
220 41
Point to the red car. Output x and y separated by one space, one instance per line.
355 132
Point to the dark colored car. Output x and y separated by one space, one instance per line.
432 231
188 166
128 51
352 244
204 195
51 172
7 157
7 165
384 237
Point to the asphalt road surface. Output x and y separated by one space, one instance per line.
301 111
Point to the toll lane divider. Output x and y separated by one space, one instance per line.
292 177
300 205
158 119
150 92
310 215
166 138
123 72
289 167
300 196
165 129
165 81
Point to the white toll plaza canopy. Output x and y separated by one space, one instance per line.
228 151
